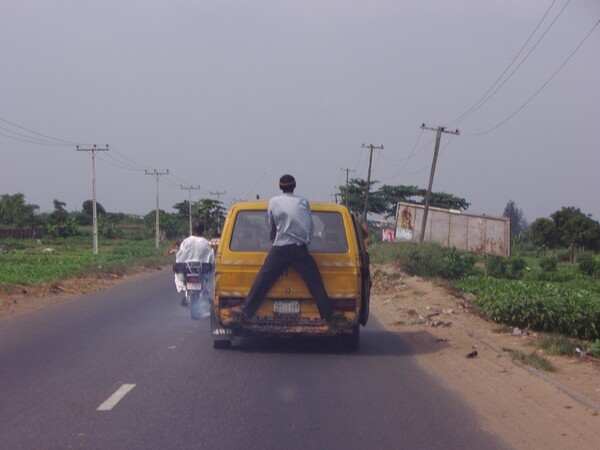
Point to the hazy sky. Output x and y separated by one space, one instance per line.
229 95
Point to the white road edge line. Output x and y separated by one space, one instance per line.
116 397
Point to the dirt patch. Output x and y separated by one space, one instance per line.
530 409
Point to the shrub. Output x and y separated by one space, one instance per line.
424 261
517 266
496 267
556 344
589 266
429 260
549 264
456 265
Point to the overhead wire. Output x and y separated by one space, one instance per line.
541 88
141 166
491 91
412 154
122 161
47 137
116 163
30 140
255 184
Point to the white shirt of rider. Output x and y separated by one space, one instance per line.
195 248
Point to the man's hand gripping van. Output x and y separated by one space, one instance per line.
338 248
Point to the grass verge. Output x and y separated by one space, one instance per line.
532 359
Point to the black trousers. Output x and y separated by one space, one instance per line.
278 259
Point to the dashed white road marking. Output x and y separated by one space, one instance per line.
115 398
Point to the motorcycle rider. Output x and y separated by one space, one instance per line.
194 248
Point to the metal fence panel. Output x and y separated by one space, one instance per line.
467 232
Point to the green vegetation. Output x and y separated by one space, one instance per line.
556 344
567 308
532 359
590 266
567 227
526 292
385 200
16 215
594 350
25 262
429 260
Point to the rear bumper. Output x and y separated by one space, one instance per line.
278 327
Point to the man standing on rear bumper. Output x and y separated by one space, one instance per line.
291 227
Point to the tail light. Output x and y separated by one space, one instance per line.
193 279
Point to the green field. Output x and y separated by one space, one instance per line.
536 293
31 262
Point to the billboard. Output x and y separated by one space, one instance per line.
467 232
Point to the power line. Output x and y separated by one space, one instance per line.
254 185
141 166
491 91
31 139
411 155
542 87
56 140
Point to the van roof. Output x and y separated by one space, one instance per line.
263 204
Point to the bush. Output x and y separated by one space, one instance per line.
429 260
424 261
589 266
456 265
517 266
549 264
496 267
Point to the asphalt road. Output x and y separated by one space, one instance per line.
128 369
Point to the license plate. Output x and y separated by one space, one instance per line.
286 307
193 286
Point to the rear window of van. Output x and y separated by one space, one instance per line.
251 233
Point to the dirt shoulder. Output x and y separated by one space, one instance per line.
27 298
530 409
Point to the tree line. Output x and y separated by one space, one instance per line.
16 213
566 227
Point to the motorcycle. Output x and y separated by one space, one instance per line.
196 276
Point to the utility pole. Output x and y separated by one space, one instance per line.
438 138
189 189
157 175
371 146
94 149
218 194
346 194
